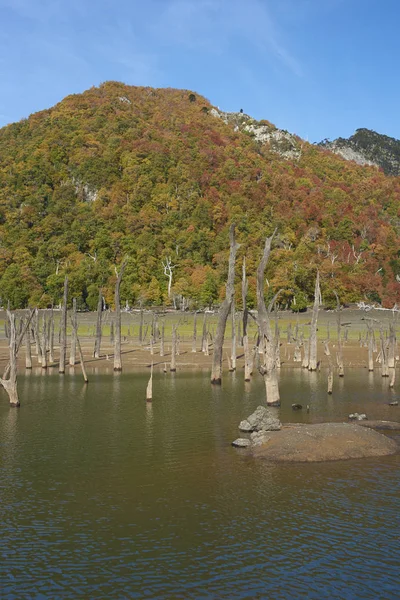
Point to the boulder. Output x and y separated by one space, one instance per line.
241 443
260 420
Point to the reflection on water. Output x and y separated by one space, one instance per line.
106 496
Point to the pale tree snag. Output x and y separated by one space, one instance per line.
312 362
149 389
392 346
216 371
36 334
339 354
63 328
248 363
168 271
51 337
72 355
9 379
117 333
204 336
194 339
330 375
306 354
44 342
74 324
370 346
384 354
162 338
28 352
141 325
97 343
173 349
268 368
233 352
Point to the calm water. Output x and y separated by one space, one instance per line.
105 496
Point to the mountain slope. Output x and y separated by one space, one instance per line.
367 147
129 171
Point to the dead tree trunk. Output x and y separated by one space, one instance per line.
149 389
204 336
339 354
51 337
248 366
44 342
194 339
78 344
162 337
233 351
63 328
72 354
141 325
9 380
28 354
117 333
216 371
384 355
330 375
35 330
97 343
312 363
268 368
370 346
173 349
392 346
306 354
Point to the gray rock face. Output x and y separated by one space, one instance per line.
260 420
241 443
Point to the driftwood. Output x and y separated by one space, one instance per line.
216 370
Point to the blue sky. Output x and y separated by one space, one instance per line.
318 68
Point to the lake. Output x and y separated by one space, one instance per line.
105 496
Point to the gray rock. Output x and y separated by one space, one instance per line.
358 417
241 443
260 420
245 426
394 403
259 437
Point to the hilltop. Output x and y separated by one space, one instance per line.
154 173
366 147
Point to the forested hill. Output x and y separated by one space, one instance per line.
153 173
367 147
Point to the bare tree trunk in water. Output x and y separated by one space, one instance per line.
330 375
233 352
268 368
35 323
339 354
149 389
44 341
204 336
194 339
63 328
370 346
173 349
162 337
117 334
216 371
312 363
97 343
51 337
72 355
306 354
10 383
392 346
141 325
384 356
74 323
28 355
248 363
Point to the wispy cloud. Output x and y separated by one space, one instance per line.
221 25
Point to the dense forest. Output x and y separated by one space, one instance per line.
148 175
